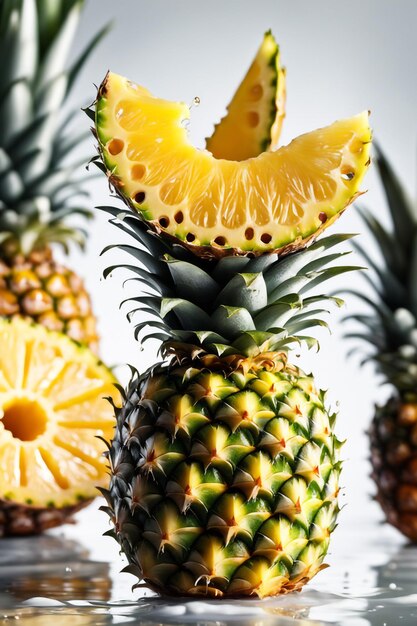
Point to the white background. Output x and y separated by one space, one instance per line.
341 58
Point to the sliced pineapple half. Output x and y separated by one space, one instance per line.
52 410
256 112
277 201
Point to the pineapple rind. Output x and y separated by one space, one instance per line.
393 437
251 516
38 288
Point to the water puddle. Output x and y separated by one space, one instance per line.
54 580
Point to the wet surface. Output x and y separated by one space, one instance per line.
73 578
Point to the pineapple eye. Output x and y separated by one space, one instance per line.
249 233
138 171
164 221
115 146
140 197
256 92
179 217
347 173
221 241
190 237
266 238
253 119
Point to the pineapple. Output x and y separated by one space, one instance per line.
224 463
38 190
256 111
276 202
53 413
390 329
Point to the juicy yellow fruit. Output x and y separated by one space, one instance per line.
256 112
52 409
276 201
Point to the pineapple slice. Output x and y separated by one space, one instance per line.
278 201
52 410
255 114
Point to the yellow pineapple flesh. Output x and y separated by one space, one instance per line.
277 201
53 409
255 114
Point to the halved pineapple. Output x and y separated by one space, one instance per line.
52 410
277 201
256 112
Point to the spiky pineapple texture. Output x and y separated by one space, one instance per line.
224 483
393 436
37 287
390 331
224 465
39 190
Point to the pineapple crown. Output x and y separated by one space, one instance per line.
38 189
390 328
235 305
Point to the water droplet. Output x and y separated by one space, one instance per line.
392 586
195 102
68 570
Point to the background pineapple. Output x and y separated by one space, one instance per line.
51 406
53 413
224 464
390 329
38 189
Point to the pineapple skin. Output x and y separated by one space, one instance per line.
393 439
224 483
21 519
36 286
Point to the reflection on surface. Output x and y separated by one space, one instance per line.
51 567
51 580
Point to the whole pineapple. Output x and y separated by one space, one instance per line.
38 190
224 463
390 328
